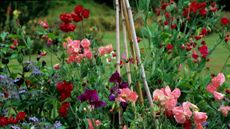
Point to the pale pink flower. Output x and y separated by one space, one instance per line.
44 24
88 54
224 110
182 113
167 98
125 127
199 118
210 88
85 43
218 80
127 95
90 123
109 48
102 51
218 96
56 66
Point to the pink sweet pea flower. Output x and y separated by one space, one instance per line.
218 80
224 110
167 98
182 113
102 51
85 43
218 96
199 118
56 66
88 54
127 95
109 48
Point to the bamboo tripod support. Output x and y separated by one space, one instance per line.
128 19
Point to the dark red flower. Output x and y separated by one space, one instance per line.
157 11
3 121
198 37
194 55
203 51
66 17
166 23
76 17
203 12
173 26
12 120
63 110
224 21
167 14
85 13
21 116
169 47
115 78
213 7
187 124
78 9
64 89
164 5
67 27
204 31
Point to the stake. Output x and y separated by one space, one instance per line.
138 54
118 53
128 26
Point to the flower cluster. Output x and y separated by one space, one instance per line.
78 15
196 7
120 92
64 89
92 97
215 84
105 49
183 113
63 110
167 98
77 50
4 121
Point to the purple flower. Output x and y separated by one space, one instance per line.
57 124
115 78
112 97
123 85
98 104
92 97
123 105
33 119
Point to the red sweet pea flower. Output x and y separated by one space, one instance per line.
203 12
78 9
63 110
203 51
85 13
3 121
64 89
66 17
67 27
204 31
173 26
21 116
169 47
12 120
224 21
76 17
194 55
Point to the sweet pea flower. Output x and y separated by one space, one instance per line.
85 43
88 54
224 110
166 97
183 113
218 96
199 118
105 49
127 95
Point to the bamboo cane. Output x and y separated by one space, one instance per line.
138 54
126 48
118 52
125 12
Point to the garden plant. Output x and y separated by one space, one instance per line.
155 77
